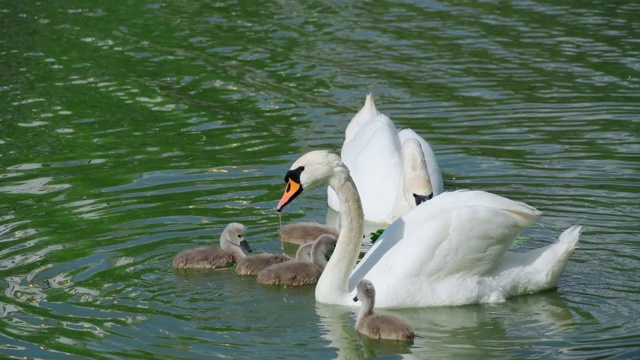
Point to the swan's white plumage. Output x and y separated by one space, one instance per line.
437 218
451 250
435 176
372 152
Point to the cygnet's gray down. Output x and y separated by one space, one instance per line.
379 326
305 232
298 273
233 243
251 265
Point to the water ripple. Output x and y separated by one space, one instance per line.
133 131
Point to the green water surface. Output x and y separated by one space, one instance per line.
132 130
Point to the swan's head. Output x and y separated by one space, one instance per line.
312 169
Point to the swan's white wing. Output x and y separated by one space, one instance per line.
430 158
420 225
447 261
465 241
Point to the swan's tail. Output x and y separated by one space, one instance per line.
554 258
570 237
539 269
369 104
367 113
553 261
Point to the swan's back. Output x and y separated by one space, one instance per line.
373 158
473 228
251 265
372 152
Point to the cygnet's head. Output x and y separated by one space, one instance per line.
365 291
312 169
323 248
304 252
235 235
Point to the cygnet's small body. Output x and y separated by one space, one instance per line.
379 326
299 272
251 265
305 232
233 243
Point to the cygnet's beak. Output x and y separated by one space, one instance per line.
422 198
244 245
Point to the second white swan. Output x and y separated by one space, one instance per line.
394 170
452 250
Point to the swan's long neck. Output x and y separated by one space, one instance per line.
414 178
332 287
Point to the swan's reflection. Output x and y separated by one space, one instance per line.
505 330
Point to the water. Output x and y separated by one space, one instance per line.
130 131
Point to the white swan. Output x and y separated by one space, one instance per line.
451 250
386 167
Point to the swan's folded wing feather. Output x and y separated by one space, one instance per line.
447 228
466 241
464 245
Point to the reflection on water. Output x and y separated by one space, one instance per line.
459 332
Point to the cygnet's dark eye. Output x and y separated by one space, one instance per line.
239 235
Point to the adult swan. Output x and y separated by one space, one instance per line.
394 170
451 250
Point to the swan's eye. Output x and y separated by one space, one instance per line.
239 235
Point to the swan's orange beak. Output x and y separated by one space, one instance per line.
293 189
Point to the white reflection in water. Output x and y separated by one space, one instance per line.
34 186
484 331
